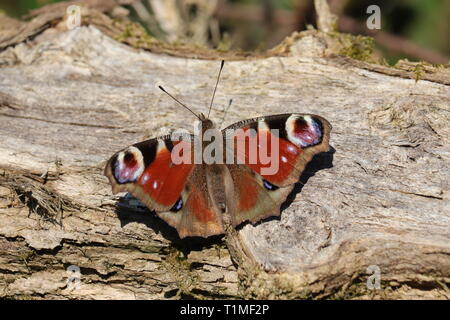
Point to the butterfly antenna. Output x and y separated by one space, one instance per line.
225 112
164 90
215 88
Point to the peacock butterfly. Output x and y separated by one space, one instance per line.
244 172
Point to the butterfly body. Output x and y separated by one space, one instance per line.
223 178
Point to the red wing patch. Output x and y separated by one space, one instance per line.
198 205
265 153
304 131
163 180
247 191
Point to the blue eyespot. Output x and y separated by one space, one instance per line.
269 186
178 205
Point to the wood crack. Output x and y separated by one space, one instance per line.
61 122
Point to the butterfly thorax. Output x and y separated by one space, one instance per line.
212 142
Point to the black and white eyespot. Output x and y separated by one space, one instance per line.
128 165
303 131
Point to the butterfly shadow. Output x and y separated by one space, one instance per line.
129 209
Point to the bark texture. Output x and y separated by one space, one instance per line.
69 99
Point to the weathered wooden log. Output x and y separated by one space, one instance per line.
69 99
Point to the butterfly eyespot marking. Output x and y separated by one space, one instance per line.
129 159
269 186
304 131
128 165
177 206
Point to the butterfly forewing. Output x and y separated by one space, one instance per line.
285 144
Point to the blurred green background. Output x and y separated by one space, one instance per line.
413 29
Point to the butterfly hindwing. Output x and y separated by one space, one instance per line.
201 215
251 197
